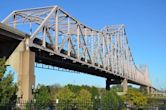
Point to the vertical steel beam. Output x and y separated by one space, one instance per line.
103 52
121 53
30 25
14 21
44 37
92 46
115 55
68 34
118 56
86 43
56 30
78 42
111 53
108 45
98 49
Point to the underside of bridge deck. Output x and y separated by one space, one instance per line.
9 40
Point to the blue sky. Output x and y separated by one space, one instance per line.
145 22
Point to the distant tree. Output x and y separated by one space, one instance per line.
42 97
8 89
111 100
74 88
73 96
66 99
84 99
94 92
135 98
65 95
54 90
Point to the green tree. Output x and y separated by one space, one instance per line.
94 92
65 95
8 89
42 97
66 99
54 90
84 98
135 98
74 88
111 100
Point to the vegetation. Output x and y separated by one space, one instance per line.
65 95
8 89
86 96
135 98
42 97
112 100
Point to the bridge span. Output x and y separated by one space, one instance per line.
50 36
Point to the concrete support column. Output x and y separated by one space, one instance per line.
22 61
26 76
108 84
152 91
125 85
148 90
145 89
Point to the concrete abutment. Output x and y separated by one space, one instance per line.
22 60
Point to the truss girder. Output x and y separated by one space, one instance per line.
106 50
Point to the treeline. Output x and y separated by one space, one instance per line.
86 96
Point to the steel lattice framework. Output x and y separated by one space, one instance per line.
106 50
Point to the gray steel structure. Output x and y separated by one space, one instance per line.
60 40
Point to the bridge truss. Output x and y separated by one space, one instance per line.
53 30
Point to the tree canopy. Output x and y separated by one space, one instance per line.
135 98
8 89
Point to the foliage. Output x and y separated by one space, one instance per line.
83 98
94 92
42 97
135 98
79 96
74 88
7 88
86 95
54 90
65 95
112 100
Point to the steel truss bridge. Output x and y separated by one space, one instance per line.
58 39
